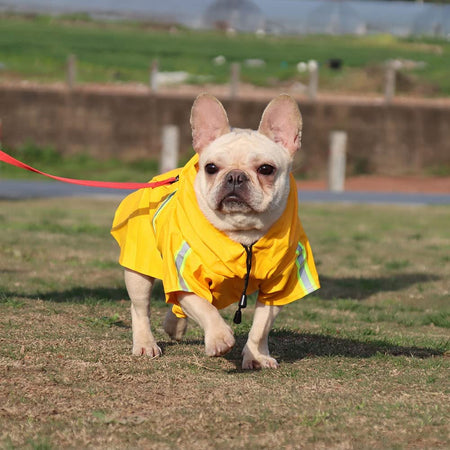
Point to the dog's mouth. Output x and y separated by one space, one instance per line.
234 203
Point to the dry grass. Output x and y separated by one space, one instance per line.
364 363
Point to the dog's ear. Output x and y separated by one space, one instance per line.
282 122
208 121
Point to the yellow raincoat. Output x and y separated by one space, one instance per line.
162 233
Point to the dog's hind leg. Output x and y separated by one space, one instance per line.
256 351
175 326
139 289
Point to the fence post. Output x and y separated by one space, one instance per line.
234 83
337 161
390 80
1 136
313 84
71 71
170 148
154 69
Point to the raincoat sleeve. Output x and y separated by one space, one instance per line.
183 271
133 232
133 229
294 282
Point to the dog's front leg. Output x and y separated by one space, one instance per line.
219 337
256 351
139 289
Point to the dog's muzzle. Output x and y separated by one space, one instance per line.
234 192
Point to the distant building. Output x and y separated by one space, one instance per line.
400 18
239 15
435 21
335 18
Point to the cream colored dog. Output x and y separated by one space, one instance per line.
242 187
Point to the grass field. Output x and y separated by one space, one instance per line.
364 362
36 48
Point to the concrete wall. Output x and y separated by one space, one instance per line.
403 137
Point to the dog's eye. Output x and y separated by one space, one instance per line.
211 169
266 169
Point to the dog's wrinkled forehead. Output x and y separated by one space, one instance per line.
243 147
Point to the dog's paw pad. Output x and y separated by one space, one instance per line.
152 351
261 362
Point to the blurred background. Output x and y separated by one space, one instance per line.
105 87
102 90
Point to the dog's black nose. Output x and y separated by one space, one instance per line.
236 178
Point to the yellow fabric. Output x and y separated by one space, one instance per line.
162 233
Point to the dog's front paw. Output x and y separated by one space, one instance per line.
146 348
254 359
219 341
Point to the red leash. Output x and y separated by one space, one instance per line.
4 157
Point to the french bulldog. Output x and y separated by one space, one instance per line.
231 225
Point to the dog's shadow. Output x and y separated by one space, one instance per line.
353 288
360 288
86 295
289 346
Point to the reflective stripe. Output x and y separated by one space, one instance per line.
304 274
180 262
161 207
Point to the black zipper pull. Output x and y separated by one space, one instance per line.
243 301
237 317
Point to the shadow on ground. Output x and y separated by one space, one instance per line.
286 345
356 288
79 295
290 346
360 288
85 295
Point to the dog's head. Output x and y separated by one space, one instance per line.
242 183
